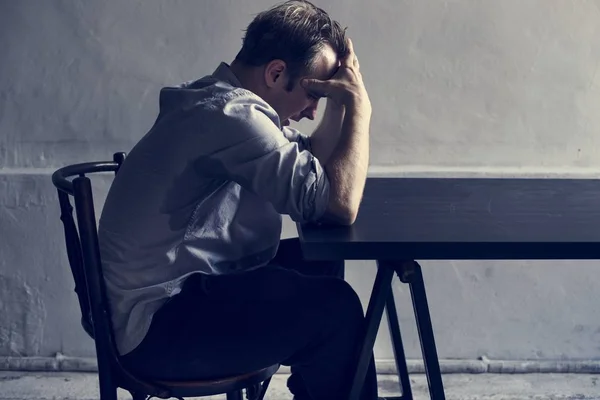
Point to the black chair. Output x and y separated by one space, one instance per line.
84 258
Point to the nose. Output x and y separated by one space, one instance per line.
311 112
309 115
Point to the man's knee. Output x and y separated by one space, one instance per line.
345 303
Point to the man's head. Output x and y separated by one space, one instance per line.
284 44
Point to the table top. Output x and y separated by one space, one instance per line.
462 219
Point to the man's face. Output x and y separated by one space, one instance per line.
298 103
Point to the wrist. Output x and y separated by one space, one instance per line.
358 102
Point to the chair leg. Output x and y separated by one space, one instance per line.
252 392
258 391
237 395
107 390
263 389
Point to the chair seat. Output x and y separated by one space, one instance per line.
217 386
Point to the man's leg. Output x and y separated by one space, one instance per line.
226 325
289 256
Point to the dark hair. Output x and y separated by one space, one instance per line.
294 32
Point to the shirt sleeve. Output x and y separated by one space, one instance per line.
294 135
254 152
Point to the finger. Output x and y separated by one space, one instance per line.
318 87
350 46
314 85
349 58
352 53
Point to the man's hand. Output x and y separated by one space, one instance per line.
346 87
347 166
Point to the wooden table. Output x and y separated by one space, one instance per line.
406 219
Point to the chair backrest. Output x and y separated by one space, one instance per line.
84 258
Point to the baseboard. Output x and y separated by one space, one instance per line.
384 367
426 171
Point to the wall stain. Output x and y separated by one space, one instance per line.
23 318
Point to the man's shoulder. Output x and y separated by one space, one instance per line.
213 96
236 107
210 104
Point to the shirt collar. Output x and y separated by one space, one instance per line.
224 73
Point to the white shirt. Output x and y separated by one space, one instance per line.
202 192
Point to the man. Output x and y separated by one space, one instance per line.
199 284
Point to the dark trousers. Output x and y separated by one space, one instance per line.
292 312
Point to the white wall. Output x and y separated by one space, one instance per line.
458 88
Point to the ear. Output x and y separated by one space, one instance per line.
275 73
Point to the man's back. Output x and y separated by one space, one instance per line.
198 194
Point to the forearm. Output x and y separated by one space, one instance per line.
349 162
327 134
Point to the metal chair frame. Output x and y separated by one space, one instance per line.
84 259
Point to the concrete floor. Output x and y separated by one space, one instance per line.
80 386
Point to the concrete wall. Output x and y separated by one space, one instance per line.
458 87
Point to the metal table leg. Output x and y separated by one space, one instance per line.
382 297
394 327
381 289
410 272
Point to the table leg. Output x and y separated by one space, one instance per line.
410 272
381 289
394 326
